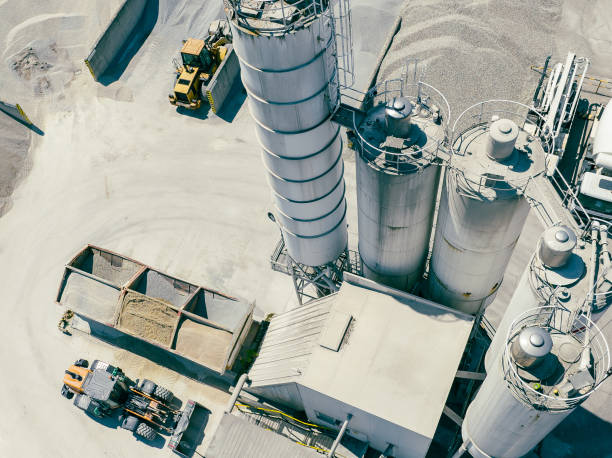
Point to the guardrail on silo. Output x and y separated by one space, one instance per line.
420 94
107 46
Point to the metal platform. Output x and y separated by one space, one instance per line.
314 282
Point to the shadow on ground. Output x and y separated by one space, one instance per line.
112 422
133 43
228 112
172 361
579 435
201 113
32 126
234 102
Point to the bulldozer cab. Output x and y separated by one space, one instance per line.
75 377
102 383
195 54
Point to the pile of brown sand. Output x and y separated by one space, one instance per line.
149 318
204 344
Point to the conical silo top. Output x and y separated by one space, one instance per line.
556 246
404 129
496 159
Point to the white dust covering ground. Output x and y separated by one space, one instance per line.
120 168
183 194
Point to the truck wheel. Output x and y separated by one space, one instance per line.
163 394
147 386
130 423
146 432
81 363
66 392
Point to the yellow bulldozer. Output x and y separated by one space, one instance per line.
208 71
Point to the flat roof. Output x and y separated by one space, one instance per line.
398 362
396 357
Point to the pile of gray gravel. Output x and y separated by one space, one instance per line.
475 50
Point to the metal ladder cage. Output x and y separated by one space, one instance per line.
557 321
278 17
479 117
420 94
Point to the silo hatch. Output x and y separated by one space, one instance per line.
334 331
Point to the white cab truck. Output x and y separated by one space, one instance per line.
595 189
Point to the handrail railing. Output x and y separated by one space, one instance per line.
557 320
275 16
481 115
570 201
420 94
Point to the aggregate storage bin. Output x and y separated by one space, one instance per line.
196 323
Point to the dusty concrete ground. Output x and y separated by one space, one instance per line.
184 192
121 168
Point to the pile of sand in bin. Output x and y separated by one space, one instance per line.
149 318
202 343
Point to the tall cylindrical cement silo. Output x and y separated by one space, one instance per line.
496 151
552 361
398 146
556 275
289 69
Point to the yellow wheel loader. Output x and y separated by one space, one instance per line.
208 71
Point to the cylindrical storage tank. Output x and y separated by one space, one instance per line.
565 285
288 66
398 145
516 407
483 206
556 246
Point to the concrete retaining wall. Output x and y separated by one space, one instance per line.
219 88
15 111
113 38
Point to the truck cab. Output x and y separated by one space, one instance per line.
595 190
596 195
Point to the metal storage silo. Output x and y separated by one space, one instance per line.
496 150
556 275
398 146
553 361
288 62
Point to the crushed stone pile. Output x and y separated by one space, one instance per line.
475 51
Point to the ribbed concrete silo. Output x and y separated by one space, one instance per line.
556 275
496 151
288 63
398 146
553 361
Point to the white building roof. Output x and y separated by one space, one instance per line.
397 358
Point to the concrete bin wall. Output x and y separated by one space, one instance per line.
113 38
